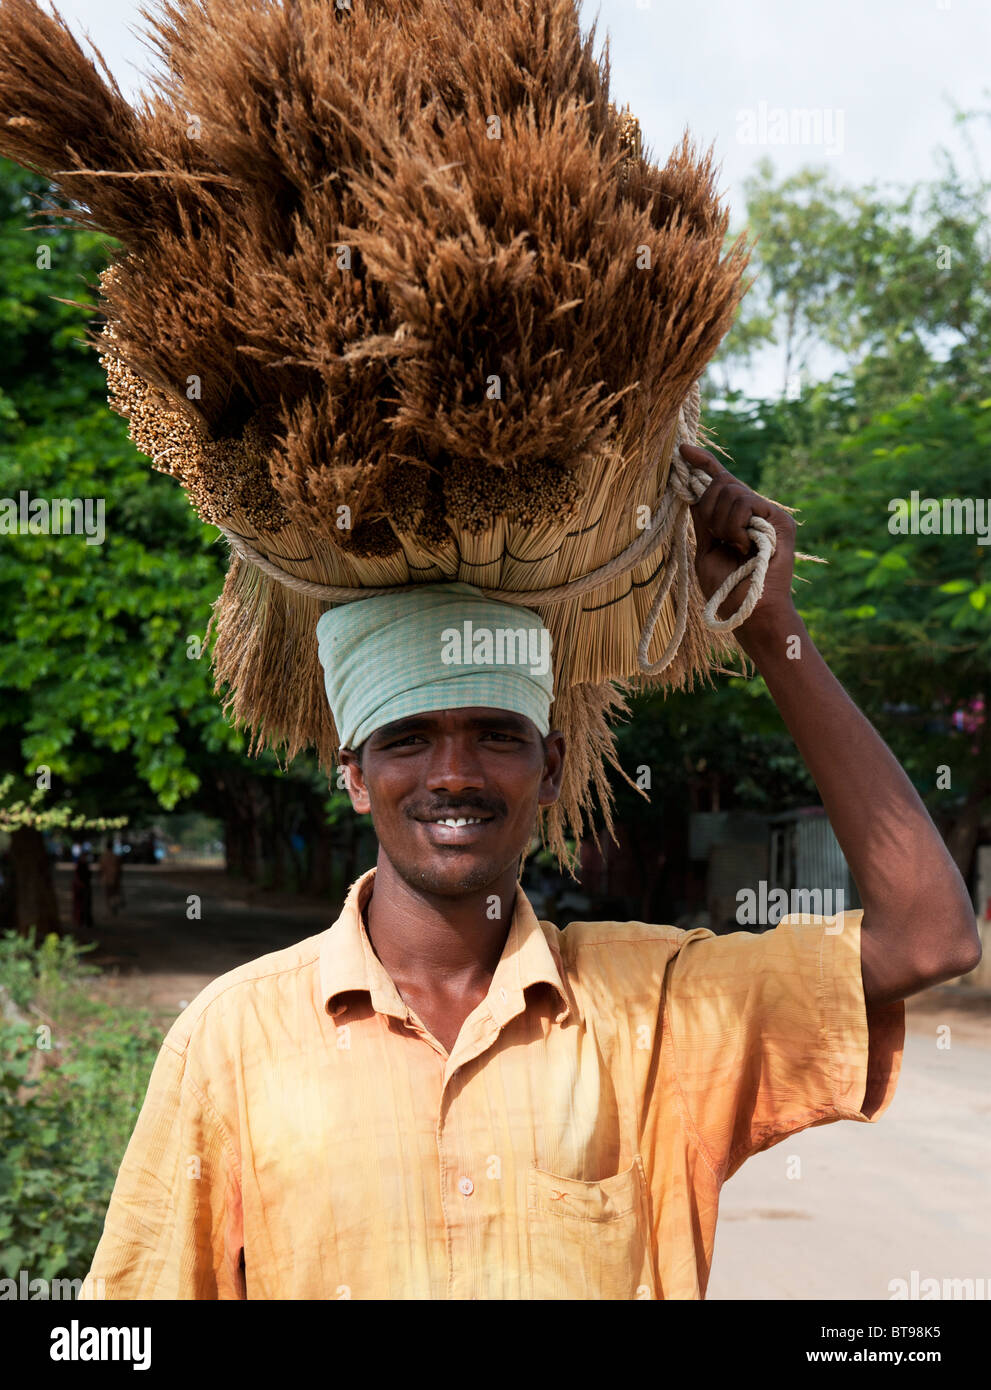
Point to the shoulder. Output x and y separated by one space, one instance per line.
594 937
257 986
623 955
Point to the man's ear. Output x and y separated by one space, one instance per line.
355 780
555 748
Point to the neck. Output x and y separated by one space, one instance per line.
435 943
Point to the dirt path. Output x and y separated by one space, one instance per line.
154 955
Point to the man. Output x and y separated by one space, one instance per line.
440 1096
110 874
82 894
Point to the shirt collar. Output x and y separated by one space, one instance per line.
347 962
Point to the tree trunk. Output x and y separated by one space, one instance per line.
233 845
276 807
320 844
34 887
241 831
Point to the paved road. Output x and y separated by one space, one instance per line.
874 1201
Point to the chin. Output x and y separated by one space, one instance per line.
459 874
453 880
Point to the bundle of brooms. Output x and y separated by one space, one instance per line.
401 299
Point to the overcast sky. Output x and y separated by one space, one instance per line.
877 79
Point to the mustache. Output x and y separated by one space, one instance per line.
458 808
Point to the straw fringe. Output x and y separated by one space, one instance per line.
265 652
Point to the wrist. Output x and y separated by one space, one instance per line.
766 632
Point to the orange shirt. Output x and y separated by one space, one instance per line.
305 1137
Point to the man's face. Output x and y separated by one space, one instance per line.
488 764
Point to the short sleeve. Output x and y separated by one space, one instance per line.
173 1227
768 1034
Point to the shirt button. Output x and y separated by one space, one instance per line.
503 995
466 1187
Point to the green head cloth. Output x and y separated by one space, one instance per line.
439 646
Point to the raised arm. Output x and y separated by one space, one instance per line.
919 927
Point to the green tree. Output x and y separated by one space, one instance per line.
896 282
904 617
104 680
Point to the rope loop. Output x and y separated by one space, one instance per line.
688 485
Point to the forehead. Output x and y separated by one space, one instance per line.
469 719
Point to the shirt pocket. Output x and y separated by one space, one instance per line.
589 1240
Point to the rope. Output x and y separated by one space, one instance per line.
763 535
685 486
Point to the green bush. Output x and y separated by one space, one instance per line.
73 1075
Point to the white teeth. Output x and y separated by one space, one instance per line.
465 820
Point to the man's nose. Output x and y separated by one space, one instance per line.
454 764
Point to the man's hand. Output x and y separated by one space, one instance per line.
721 516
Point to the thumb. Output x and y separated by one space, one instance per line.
698 457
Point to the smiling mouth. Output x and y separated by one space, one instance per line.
455 821
455 830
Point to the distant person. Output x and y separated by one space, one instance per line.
111 872
82 894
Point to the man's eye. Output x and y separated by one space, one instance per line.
494 733
400 741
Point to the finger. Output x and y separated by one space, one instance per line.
726 495
701 458
730 516
782 521
714 506
703 511
704 506
734 523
